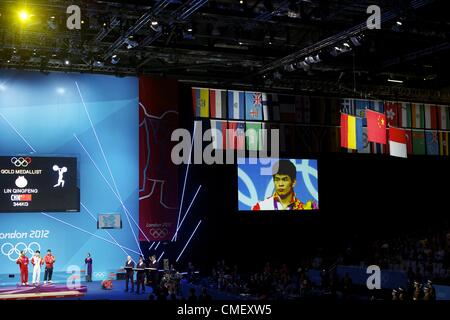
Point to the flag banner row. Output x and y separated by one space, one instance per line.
254 136
285 108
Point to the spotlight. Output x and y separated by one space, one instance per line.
277 75
293 10
399 23
289 67
155 26
115 59
305 66
346 44
131 44
356 41
310 59
395 81
52 23
98 63
24 15
67 62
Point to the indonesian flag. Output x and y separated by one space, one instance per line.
376 126
397 143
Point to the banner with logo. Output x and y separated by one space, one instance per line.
93 119
158 178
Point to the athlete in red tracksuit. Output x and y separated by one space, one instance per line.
22 261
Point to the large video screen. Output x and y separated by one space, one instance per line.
39 184
277 184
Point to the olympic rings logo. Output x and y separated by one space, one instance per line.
100 274
158 232
21 161
13 251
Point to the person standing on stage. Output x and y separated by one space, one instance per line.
37 262
22 261
129 265
153 274
88 262
140 274
49 261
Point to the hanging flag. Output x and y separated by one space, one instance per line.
376 126
264 137
218 133
418 115
405 115
444 117
392 110
348 106
332 111
287 107
409 143
431 121
200 102
253 106
272 127
360 110
443 143
218 103
378 148
377 105
351 132
253 136
236 104
265 104
365 146
397 143
236 135
432 141
418 140
303 106
273 107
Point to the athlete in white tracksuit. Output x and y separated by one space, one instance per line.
37 262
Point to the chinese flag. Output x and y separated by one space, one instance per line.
376 126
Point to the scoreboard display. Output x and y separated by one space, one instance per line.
39 184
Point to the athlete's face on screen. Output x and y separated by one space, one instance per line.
283 184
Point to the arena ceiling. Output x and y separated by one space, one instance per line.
303 45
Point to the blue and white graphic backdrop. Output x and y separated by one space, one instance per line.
254 186
94 118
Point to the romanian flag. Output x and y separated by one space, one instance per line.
351 132
200 102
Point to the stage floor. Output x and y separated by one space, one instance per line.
95 292
88 291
